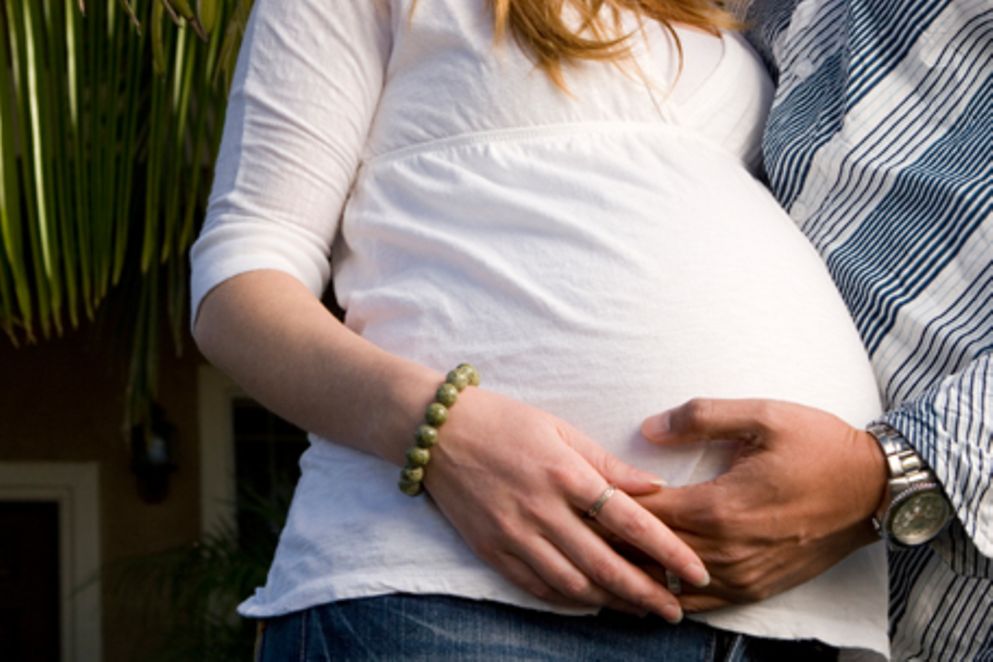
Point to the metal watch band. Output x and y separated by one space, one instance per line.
908 476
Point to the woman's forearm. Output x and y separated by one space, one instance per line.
510 478
269 333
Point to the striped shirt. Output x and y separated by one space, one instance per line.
880 146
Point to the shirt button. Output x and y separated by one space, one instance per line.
804 69
803 13
799 212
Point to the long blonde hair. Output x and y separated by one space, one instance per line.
546 30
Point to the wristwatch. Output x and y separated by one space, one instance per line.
915 509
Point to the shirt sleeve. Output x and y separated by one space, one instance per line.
951 427
765 22
738 8
308 79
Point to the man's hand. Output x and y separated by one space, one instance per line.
797 499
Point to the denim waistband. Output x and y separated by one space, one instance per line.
439 627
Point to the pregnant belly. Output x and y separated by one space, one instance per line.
603 277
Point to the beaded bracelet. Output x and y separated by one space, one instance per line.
426 436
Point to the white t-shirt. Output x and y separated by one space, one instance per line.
603 255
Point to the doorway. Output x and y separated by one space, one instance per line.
54 508
29 580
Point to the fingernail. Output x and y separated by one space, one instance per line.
698 575
658 482
672 613
656 425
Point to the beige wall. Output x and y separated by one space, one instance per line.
62 400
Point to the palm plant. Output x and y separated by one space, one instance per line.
110 116
196 588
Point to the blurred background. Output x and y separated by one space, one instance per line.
141 491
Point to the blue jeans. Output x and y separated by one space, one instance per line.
437 627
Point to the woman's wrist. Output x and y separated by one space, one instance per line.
425 437
403 392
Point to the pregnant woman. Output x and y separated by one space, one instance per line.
559 193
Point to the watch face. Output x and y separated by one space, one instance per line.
919 518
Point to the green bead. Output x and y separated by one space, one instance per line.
412 474
472 375
410 487
426 436
457 379
447 394
417 456
436 414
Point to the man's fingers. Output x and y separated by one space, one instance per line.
693 508
694 599
706 418
632 523
629 479
700 602
627 608
690 511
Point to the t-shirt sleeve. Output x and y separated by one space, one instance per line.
307 82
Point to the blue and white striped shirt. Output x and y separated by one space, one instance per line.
880 145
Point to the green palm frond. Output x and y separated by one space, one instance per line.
110 116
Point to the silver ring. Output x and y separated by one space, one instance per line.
673 582
601 500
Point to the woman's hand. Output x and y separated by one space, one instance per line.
516 481
513 480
